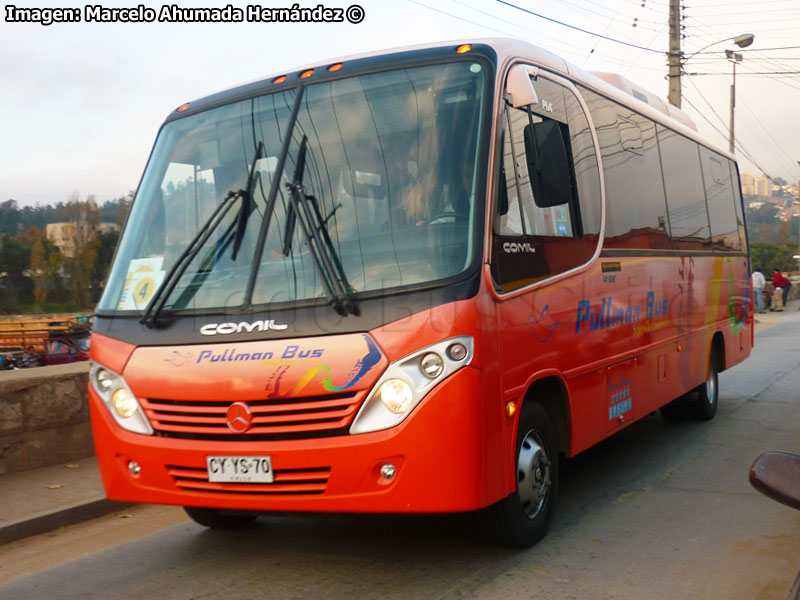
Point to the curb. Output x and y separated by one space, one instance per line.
60 517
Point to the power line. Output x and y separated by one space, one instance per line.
743 73
752 49
610 39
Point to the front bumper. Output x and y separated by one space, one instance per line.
437 452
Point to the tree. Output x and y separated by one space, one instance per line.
124 207
106 244
771 256
45 263
82 218
14 260
763 233
9 217
784 232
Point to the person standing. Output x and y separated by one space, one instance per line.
780 281
758 289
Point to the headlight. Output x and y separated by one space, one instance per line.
118 398
432 365
396 395
104 379
124 403
407 381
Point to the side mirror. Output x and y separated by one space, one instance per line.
548 163
777 476
520 87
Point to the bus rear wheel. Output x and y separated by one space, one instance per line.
523 518
215 518
705 407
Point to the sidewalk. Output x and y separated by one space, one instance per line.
768 319
40 500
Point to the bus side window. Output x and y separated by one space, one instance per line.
686 197
539 213
721 202
636 208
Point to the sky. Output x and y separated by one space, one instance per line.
81 103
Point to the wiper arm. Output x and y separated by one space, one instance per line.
154 308
247 207
156 305
305 210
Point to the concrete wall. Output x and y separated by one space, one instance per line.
44 416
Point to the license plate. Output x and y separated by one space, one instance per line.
239 469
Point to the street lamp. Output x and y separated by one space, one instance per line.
742 41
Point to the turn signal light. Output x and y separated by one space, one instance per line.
511 409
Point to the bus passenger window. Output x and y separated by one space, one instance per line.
636 210
547 211
686 198
720 199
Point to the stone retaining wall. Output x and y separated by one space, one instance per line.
44 416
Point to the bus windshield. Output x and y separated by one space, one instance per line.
389 162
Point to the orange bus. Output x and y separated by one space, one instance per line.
409 282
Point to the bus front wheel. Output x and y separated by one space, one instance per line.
523 518
218 519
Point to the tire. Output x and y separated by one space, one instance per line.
214 518
523 518
705 407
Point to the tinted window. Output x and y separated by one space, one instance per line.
543 227
636 215
587 173
391 164
719 196
686 201
737 203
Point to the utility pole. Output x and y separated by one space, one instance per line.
734 58
675 53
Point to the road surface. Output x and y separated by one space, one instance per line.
659 511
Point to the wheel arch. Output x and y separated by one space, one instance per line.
550 391
716 351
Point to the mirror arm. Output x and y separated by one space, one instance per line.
519 85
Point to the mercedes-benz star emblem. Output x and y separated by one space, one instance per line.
239 417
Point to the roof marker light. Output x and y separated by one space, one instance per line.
335 67
279 79
306 74
464 48
183 107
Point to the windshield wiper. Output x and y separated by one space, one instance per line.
192 250
247 206
305 210
159 299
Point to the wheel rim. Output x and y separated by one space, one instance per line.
533 474
711 386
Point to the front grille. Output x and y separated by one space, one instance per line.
288 482
276 419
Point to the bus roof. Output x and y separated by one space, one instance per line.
612 85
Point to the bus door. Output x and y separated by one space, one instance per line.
547 215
